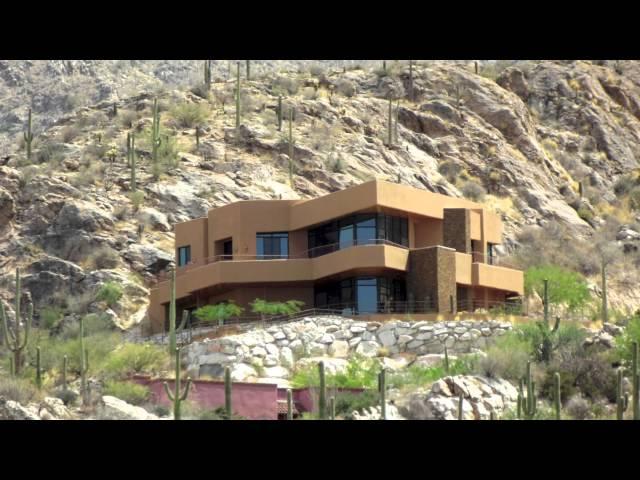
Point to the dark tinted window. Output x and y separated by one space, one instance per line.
272 245
184 255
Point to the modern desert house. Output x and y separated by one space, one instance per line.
373 248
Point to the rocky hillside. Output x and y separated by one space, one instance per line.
519 136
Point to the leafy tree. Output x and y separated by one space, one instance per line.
565 287
219 312
110 292
275 308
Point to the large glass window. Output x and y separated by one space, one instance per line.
363 294
361 229
184 255
272 245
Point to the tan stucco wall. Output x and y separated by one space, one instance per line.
498 277
193 233
428 232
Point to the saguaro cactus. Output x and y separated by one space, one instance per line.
227 392
248 69
605 303
28 137
207 74
580 189
460 405
382 388
197 136
12 338
155 132
114 109
395 122
279 113
84 366
178 395
38 371
289 404
411 80
131 158
527 405
172 312
65 362
446 360
556 395
291 146
238 96
322 401
622 400
635 399
332 408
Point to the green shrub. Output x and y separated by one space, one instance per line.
624 342
136 358
129 392
103 258
348 402
50 317
361 372
624 185
276 308
18 389
506 358
634 198
110 293
567 340
585 214
189 115
565 287
473 191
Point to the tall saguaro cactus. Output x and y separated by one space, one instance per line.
279 112
155 132
227 392
527 405
382 388
172 312
28 137
238 96
12 339
411 80
622 400
322 402
556 395
291 146
605 303
178 395
207 74
131 158
38 371
65 362
84 366
289 404
635 399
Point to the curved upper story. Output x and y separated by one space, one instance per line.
392 219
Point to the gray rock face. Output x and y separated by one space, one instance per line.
7 208
81 215
148 258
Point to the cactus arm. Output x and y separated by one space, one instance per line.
64 373
322 404
38 372
556 397
27 327
187 388
382 384
227 392
5 329
167 391
557 325
289 404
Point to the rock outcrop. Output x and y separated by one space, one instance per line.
441 402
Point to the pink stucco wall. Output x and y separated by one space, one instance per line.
255 401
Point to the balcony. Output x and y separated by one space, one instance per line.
287 268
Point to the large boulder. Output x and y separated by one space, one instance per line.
113 408
81 215
7 208
147 258
12 410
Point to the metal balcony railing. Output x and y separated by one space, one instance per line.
306 254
